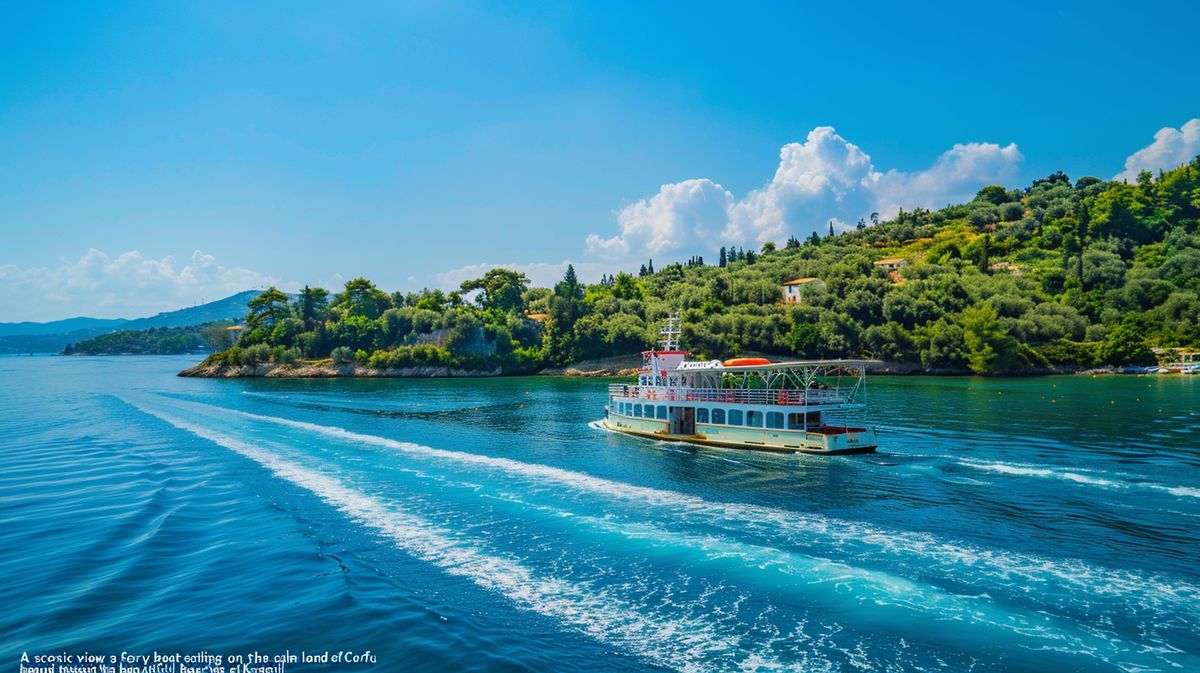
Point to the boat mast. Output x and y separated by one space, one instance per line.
669 334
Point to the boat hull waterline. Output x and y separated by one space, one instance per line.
862 443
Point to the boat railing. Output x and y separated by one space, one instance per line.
787 397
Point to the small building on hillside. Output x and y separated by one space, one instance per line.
793 290
1011 268
891 263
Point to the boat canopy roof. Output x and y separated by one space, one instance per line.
801 364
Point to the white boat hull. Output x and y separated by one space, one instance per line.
829 441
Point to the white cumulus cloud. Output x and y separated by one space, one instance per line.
128 285
692 208
821 179
1171 148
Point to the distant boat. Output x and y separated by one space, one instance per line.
1189 363
745 403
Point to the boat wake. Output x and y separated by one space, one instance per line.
1062 588
1086 477
684 644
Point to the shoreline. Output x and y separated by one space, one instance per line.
587 369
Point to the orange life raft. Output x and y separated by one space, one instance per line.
746 362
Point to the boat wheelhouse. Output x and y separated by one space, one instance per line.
748 403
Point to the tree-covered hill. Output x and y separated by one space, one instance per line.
156 340
52 337
1060 273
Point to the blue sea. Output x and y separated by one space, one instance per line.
1041 524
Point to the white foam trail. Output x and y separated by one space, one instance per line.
1031 471
1164 594
1182 491
1077 476
684 644
599 425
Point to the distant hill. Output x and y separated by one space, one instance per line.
229 308
60 326
52 337
155 340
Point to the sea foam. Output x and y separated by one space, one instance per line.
1166 595
686 644
1078 476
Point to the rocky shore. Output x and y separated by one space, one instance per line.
621 366
326 370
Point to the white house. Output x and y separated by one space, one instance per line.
793 290
891 263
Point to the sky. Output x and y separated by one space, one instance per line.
157 155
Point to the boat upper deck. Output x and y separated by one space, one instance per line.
784 397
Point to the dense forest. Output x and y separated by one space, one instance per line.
1061 273
156 340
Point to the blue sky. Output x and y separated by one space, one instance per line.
156 154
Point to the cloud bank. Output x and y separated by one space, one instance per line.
823 178
128 285
1171 148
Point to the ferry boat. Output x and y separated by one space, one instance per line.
747 403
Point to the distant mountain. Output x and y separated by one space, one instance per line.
60 326
229 308
51 337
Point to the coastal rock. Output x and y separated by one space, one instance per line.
328 370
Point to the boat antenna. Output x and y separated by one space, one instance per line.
669 334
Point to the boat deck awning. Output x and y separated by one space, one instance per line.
798 364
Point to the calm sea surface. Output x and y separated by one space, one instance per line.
1048 524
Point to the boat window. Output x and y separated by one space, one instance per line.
754 419
718 416
702 415
662 412
775 420
795 421
735 416
637 410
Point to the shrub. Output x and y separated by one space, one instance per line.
342 355
286 356
1066 352
252 355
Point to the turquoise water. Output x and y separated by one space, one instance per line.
1006 525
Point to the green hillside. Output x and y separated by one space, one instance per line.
156 340
1056 274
